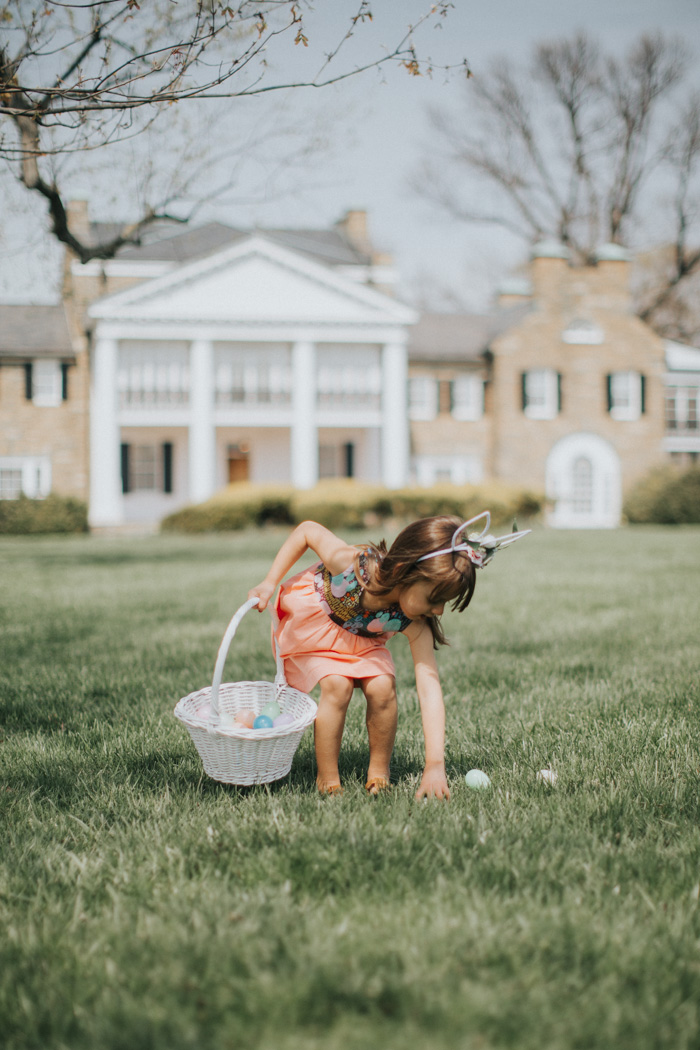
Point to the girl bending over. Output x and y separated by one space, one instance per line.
335 618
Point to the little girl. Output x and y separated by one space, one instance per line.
334 620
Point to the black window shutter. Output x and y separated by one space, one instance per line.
608 389
167 466
28 390
125 468
559 402
642 394
523 389
64 381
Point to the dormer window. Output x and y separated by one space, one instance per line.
541 393
625 395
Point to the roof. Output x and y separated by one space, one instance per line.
459 337
682 358
174 243
34 331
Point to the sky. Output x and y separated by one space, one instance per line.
374 131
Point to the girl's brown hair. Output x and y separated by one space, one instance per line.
453 575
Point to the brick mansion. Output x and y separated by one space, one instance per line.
211 355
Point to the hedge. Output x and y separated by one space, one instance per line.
25 516
348 504
666 496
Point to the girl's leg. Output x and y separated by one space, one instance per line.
382 713
336 693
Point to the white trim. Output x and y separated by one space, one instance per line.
106 504
395 433
121 268
123 304
304 437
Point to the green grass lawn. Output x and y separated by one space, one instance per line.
143 905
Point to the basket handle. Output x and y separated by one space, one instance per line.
280 680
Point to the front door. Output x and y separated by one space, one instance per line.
583 482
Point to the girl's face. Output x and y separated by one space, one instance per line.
415 600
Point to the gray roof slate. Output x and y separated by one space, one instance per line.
34 331
459 337
174 243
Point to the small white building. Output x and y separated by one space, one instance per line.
254 361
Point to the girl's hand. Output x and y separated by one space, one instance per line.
263 592
433 783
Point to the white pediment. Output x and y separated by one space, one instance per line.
253 282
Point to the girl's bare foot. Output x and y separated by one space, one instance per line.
328 787
375 785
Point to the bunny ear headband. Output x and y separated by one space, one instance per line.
480 549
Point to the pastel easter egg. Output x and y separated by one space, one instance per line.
271 710
262 722
477 779
227 719
547 776
203 712
285 719
244 717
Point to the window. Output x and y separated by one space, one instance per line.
46 382
682 404
30 475
625 392
541 393
422 397
10 482
147 468
468 397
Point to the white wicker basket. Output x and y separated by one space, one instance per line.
232 753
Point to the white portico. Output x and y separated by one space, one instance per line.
255 362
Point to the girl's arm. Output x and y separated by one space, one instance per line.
335 554
432 709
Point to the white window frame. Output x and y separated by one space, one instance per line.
625 396
680 397
35 473
47 383
422 397
541 393
467 397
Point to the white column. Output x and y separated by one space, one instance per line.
304 443
395 438
202 432
106 503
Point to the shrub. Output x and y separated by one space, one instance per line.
25 516
235 507
349 504
666 496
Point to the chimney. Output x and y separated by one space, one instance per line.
612 272
353 226
550 266
78 219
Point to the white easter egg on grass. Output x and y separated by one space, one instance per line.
477 779
547 776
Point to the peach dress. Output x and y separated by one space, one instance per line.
323 630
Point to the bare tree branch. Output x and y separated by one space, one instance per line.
73 75
575 151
